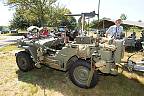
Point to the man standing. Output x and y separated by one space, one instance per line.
115 31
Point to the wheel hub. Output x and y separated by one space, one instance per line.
22 63
81 74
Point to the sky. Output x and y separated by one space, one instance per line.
108 8
5 14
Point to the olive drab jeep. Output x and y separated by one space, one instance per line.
83 59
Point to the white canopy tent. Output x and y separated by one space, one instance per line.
32 27
134 23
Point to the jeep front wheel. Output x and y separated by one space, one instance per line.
24 61
79 74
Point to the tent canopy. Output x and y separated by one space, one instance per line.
32 27
105 23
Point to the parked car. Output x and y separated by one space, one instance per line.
4 30
14 31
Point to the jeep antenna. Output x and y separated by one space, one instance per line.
98 9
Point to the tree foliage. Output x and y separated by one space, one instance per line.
95 24
123 16
40 13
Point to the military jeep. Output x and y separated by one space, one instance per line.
84 58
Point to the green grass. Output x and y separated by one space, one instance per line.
10 47
49 82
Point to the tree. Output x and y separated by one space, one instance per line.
139 20
35 8
123 16
39 13
95 24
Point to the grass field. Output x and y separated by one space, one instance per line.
9 48
49 82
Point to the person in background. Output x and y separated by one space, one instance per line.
133 35
67 32
115 31
44 32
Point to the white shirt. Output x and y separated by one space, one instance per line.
114 31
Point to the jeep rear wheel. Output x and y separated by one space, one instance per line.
24 61
79 74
